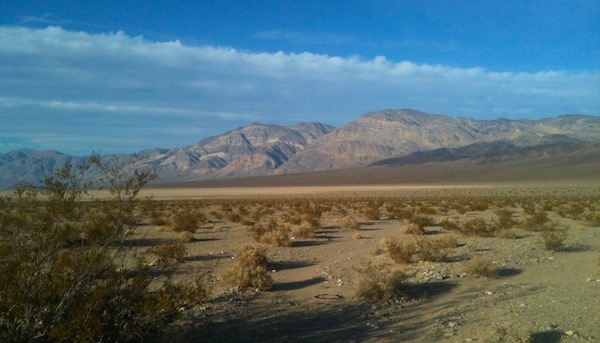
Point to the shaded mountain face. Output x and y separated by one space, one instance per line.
395 133
392 137
484 152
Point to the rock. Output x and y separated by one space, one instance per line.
569 333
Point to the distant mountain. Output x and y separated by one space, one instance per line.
381 138
395 133
30 167
250 150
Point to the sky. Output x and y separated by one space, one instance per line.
123 76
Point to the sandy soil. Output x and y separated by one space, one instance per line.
552 295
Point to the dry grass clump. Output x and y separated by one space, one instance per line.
422 249
450 225
348 222
271 235
158 218
234 217
433 249
537 221
508 334
381 282
356 236
187 221
421 221
479 266
414 229
400 251
169 255
186 237
478 227
507 234
553 238
304 230
250 269
505 219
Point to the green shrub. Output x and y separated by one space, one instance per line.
68 271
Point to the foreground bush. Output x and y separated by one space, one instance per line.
553 238
68 273
250 269
381 283
480 266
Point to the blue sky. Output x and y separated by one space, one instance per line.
122 76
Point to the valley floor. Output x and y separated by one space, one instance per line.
551 295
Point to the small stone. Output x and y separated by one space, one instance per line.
569 333
589 279
373 325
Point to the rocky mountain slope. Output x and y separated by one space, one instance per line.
395 133
249 150
387 137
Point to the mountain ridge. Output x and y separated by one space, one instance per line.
405 135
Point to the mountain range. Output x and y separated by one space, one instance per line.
382 138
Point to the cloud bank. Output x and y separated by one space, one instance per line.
77 92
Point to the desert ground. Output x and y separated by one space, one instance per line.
489 263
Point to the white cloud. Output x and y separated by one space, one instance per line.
77 81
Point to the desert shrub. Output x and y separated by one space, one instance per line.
479 266
435 249
414 229
234 217
399 250
248 222
313 219
480 205
447 242
187 221
592 219
371 210
250 269
505 219
507 234
278 237
304 230
553 238
450 225
421 221
508 334
186 236
158 218
271 235
257 231
536 221
348 222
381 283
68 271
478 227
528 207
169 255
